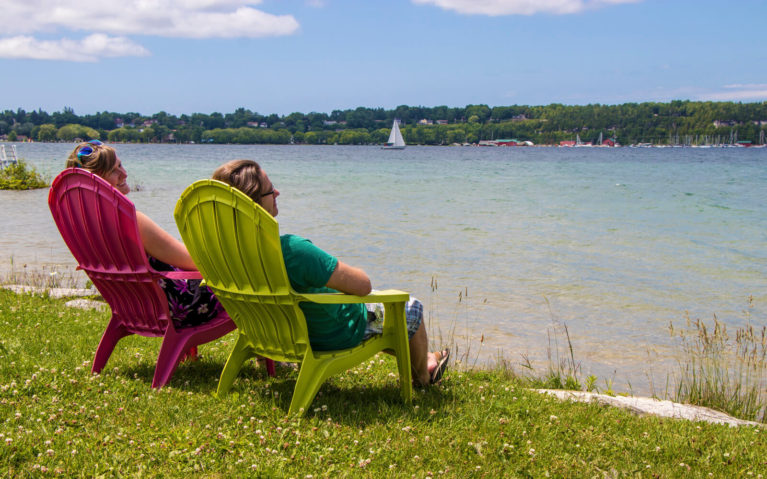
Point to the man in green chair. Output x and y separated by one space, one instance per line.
312 270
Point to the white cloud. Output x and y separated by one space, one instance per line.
108 22
166 18
520 7
746 85
738 92
89 49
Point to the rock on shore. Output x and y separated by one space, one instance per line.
656 407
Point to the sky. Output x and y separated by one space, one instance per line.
284 56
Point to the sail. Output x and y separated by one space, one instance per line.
395 137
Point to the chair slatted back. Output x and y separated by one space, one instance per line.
98 225
236 246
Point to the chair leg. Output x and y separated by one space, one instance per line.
241 353
270 368
310 377
174 346
405 375
396 311
115 332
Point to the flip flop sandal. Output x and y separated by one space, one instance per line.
436 375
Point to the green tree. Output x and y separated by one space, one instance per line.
124 134
482 112
75 132
67 116
354 137
47 132
456 135
147 135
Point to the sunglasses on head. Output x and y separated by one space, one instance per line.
87 149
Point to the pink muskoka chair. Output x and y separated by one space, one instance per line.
98 224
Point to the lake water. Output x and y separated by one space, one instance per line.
505 246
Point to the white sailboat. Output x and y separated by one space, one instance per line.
396 142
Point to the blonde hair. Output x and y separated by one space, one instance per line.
101 160
245 175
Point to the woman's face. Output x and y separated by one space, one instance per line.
269 199
117 178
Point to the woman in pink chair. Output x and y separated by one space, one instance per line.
189 303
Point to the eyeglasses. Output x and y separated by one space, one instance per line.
270 192
87 149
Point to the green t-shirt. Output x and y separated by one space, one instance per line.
331 326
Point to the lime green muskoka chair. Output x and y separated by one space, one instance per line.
236 246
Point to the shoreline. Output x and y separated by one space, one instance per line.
418 145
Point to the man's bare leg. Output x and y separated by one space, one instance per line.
422 361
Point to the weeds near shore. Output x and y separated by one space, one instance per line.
563 371
438 338
723 372
47 277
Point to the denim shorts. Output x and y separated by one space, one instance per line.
413 317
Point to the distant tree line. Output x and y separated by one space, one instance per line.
674 122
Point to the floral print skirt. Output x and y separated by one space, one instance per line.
190 303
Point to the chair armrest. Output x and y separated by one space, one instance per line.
180 274
386 296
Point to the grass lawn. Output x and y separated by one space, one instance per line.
57 418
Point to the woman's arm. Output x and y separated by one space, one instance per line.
159 244
350 280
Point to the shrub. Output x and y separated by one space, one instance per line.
19 176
